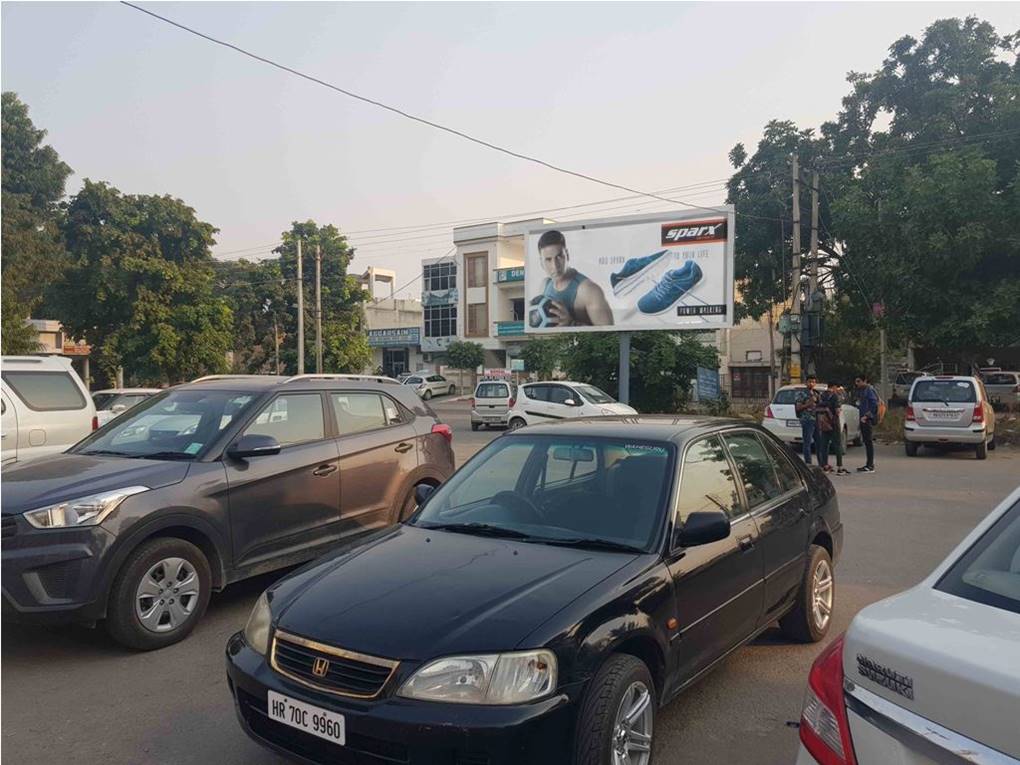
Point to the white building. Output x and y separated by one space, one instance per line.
393 326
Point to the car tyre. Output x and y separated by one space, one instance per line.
516 423
811 616
622 684
991 443
911 448
982 450
123 620
427 395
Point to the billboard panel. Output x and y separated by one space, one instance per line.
662 271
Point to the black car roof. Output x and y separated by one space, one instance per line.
262 383
651 427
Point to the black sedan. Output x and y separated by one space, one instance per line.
544 602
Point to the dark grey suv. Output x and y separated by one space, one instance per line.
204 485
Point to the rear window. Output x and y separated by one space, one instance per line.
412 381
46 391
788 396
102 399
948 391
1001 378
989 572
492 390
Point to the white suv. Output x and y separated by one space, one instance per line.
45 407
561 400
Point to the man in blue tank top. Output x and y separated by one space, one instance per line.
574 298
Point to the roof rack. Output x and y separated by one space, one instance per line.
230 377
330 376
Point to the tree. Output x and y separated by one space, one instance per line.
662 365
33 256
463 355
541 355
259 297
140 286
344 343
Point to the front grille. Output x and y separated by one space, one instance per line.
341 672
58 578
358 749
8 527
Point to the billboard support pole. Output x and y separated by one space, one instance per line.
625 367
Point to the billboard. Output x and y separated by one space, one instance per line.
663 271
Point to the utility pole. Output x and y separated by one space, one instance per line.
318 310
795 369
813 319
300 314
276 342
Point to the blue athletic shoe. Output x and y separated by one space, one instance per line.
636 270
674 285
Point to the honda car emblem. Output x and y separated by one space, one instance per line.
320 667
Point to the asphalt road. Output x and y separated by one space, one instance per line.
69 694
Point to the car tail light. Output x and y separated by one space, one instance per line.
443 430
514 401
979 413
910 413
95 422
768 412
824 728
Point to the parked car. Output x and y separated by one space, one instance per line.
492 402
44 407
949 410
562 400
112 401
1003 387
543 603
781 418
901 385
427 385
206 484
931 675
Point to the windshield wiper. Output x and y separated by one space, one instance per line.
164 456
105 453
479 529
591 542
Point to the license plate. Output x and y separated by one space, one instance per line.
793 423
311 719
492 419
938 414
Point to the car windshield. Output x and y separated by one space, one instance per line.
492 390
1001 378
948 391
177 425
103 400
594 492
412 381
594 395
989 572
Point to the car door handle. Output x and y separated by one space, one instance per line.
802 513
746 543
324 469
404 447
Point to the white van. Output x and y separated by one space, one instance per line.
45 407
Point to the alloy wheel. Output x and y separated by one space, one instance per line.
821 595
167 595
632 731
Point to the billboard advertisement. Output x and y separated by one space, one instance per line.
664 271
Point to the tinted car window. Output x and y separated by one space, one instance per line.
102 399
788 396
989 572
413 381
46 391
788 476
358 412
292 418
950 391
755 468
1000 378
707 483
492 390
558 394
537 392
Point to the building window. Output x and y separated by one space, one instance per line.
439 277
478 320
752 356
477 269
749 382
518 309
440 320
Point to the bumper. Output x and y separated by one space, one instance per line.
930 435
52 576
780 430
489 418
394 730
804 757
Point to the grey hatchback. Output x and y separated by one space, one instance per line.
206 484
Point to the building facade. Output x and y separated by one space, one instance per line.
393 327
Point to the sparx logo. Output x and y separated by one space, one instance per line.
694 231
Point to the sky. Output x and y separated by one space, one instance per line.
648 95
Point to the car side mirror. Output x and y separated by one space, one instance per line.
570 402
253 445
422 492
703 528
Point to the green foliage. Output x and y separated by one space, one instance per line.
258 297
851 347
465 355
140 286
541 355
662 366
33 255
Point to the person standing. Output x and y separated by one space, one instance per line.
867 404
830 428
805 406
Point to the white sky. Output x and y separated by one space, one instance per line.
649 95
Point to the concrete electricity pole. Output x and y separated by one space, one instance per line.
300 314
795 369
276 342
318 310
813 273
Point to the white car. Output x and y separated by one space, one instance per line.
429 385
561 400
112 401
949 410
44 407
931 675
781 417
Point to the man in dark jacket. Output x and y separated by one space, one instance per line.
867 404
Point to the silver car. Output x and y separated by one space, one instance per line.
947 410
1003 387
429 385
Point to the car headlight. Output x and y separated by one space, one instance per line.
256 631
509 678
83 511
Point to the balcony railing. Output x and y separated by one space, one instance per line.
509 328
